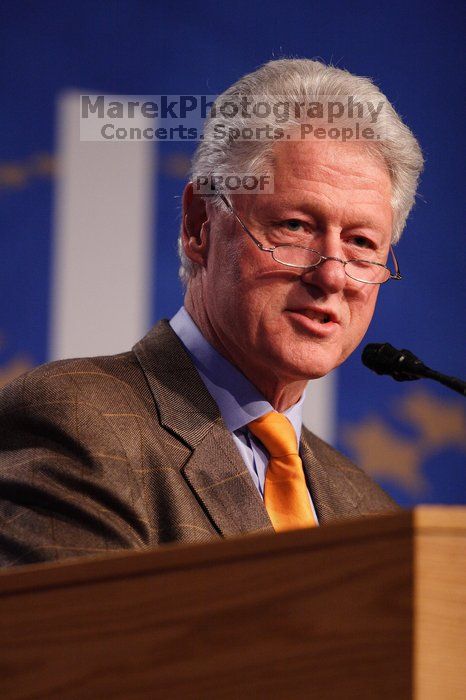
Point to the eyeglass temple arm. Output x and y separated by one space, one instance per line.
397 275
242 224
230 209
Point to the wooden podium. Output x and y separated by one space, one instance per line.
372 608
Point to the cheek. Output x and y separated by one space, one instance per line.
362 309
222 274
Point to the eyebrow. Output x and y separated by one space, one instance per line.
319 213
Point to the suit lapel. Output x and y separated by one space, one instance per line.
214 471
221 481
333 494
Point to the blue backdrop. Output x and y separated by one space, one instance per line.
410 437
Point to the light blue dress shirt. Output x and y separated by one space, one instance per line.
238 400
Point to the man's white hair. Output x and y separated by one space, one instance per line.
292 81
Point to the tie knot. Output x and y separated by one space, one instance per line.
276 433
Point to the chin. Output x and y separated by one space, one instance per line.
312 364
317 359
318 371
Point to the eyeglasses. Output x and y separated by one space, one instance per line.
299 256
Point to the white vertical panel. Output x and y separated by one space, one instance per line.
319 411
102 264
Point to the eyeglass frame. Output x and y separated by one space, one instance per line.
395 276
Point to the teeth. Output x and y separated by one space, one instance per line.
320 317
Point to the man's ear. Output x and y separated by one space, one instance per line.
195 226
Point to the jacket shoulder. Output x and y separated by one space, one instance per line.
102 382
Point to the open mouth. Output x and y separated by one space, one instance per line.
321 317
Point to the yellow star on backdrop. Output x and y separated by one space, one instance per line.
384 454
440 423
13 369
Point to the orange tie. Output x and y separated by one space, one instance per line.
285 493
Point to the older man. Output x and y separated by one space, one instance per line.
196 433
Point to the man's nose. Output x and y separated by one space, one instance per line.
329 275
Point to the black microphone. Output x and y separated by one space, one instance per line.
403 366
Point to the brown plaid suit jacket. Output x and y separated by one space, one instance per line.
130 451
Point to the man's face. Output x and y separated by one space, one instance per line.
267 318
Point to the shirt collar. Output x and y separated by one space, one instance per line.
238 400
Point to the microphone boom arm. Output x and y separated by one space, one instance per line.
404 366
